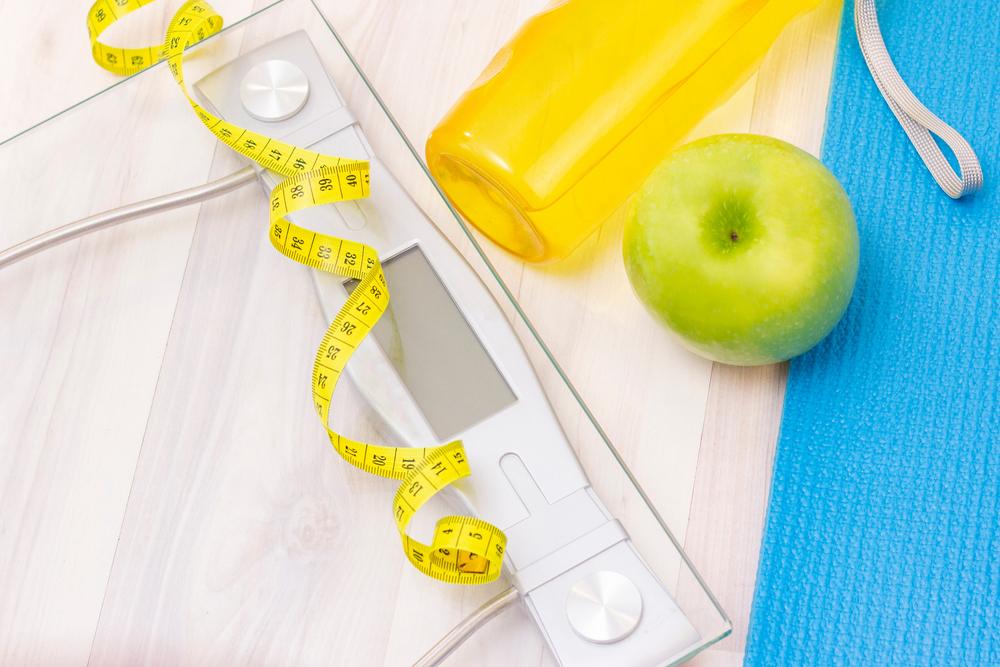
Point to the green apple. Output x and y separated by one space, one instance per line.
745 246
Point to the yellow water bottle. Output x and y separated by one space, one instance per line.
583 102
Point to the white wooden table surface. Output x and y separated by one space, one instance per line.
118 499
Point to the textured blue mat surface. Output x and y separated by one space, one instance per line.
882 540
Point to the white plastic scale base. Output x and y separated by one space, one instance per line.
591 594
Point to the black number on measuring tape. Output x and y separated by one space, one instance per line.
249 144
299 163
323 252
321 381
351 258
408 464
351 179
348 328
332 352
297 242
415 488
475 536
297 191
375 292
470 564
325 184
363 308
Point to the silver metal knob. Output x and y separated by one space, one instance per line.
274 90
604 607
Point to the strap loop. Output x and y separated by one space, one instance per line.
916 119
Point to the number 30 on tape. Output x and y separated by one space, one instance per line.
465 550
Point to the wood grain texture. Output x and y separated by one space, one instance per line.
159 505
744 405
81 342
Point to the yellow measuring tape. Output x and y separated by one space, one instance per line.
465 550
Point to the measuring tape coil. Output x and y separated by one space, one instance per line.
464 550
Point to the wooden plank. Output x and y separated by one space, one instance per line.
84 326
744 405
82 336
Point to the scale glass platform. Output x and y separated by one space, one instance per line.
283 526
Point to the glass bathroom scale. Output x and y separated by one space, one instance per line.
218 523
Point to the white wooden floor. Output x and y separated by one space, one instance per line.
146 517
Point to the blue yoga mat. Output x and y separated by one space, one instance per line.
882 539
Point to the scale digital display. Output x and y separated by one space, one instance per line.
438 356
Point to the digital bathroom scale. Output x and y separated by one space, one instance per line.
445 363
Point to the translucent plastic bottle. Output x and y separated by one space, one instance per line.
584 101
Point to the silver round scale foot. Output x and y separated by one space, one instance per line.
274 90
604 607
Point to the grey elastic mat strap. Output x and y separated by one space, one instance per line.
916 119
